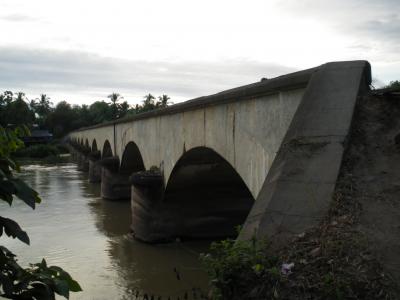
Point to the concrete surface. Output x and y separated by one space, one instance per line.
283 137
299 187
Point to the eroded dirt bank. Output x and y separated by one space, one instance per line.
375 150
355 252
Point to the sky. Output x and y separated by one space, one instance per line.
83 50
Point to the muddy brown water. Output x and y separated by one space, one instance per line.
89 237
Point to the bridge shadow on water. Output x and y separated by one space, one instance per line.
167 270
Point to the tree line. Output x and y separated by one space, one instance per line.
16 109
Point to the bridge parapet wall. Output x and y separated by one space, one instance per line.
244 125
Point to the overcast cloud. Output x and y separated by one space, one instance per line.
72 74
83 50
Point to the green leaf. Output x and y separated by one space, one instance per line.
13 165
7 197
11 228
43 264
61 288
39 290
73 285
25 193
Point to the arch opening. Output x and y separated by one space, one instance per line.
107 150
94 146
132 160
208 195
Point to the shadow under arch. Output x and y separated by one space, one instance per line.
87 144
107 150
209 196
132 160
94 146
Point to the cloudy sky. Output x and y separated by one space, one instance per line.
82 50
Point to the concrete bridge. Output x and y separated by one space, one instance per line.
265 156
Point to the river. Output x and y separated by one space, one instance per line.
89 237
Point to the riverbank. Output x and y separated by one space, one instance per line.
52 153
353 253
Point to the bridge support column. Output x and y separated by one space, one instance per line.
71 151
94 167
83 162
73 154
148 218
114 185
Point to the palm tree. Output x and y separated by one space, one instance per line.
20 96
149 99
148 103
41 107
114 97
163 101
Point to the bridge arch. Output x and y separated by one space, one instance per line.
87 144
94 145
132 160
107 150
208 193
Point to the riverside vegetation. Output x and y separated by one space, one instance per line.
16 108
353 252
52 153
38 281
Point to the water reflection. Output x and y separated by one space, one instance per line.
89 237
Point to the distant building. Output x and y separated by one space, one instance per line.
38 137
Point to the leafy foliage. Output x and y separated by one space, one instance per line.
17 109
242 270
38 281
38 151
394 84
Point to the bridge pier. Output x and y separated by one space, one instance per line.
114 185
95 167
83 162
148 218
73 151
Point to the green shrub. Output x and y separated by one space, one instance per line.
38 151
242 270
394 84
62 149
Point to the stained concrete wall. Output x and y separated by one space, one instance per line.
247 133
298 190
285 137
